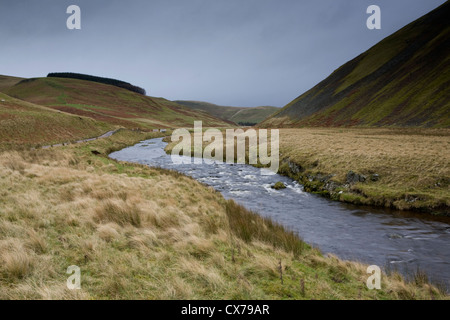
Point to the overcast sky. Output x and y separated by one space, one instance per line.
229 52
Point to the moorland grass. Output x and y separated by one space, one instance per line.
148 233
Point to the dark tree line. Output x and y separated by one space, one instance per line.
113 82
249 124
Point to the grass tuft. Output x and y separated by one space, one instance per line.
16 262
119 212
249 226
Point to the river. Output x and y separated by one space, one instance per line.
390 239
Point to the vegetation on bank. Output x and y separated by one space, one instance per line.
148 233
404 169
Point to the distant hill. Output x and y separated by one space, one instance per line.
403 81
107 103
113 82
8 81
238 115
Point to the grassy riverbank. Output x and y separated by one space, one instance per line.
405 169
145 233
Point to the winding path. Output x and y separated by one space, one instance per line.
105 135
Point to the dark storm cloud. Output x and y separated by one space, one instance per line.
231 52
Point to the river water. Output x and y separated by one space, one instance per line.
390 239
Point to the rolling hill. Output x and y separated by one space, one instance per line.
403 81
27 124
107 103
238 115
8 81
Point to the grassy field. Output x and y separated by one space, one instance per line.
406 169
109 104
144 233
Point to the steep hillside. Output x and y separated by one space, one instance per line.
26 124
108 103
238 115
402 81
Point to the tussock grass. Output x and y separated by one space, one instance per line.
119 212
250 226
17 262
37 242
148 233
108 232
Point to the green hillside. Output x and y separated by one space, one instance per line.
401 81
27 124
238 115
107 103
8 81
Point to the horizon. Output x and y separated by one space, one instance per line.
255 50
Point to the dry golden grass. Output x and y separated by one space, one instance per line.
141 233
17 262
413 164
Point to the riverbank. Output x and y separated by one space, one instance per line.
145 233
403 169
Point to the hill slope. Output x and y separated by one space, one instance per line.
108 103
401 81
238 115
26 124
8 81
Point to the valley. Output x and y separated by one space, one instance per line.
88 177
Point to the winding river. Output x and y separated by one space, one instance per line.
390 239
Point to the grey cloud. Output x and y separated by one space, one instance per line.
231 52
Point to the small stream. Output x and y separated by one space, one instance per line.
390 239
